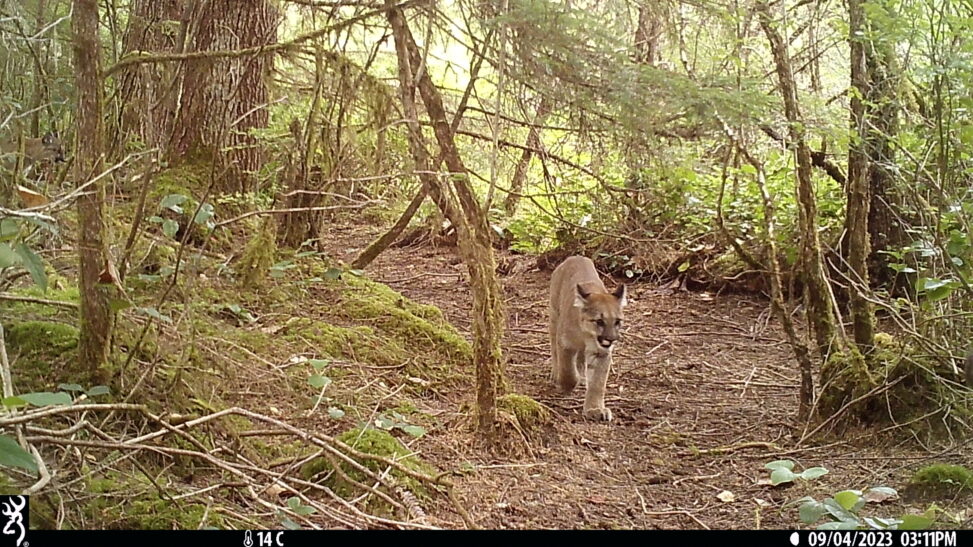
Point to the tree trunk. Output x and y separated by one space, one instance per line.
820 312
147 104
466 215
223 99
857 188
520 171
648 34
96 319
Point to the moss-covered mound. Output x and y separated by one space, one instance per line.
530 414
940 481
895 384
43 353
379 443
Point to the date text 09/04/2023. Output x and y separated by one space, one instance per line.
880 538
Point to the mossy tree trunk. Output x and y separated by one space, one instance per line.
818 292
96 318
460 206
857 190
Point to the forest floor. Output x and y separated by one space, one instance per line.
704 392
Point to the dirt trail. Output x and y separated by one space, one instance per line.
695 374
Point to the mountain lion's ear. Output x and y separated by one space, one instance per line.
580 296
621 293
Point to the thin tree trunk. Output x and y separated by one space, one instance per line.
466 216
96 319
376 247
648 34
857 214
520 171
820 312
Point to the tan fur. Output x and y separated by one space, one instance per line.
44 149
585 322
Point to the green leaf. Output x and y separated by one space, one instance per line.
70 387
777 464
383 422
847 498
33 264
12 455
840 525
813 473
838 511
414 430
916 522
289 524
358 273
8 257
98 390
319 364
684 266
812 512
333 274
46 398
319 381
173 202
204 214
336 413
154 313
13 402
9 227
170 228
782 475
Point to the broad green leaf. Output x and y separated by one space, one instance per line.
414 430
684 266
13 402
98 390
382 422
811 512
333 273
813 473
173 202
782 475
319 381
847 498
336 413
916 522
879 494
12 455
777 464
840 525
9 228
358 273
319 364
33 264
70 387
170 228
289 524
46 398
154 313
838 511
8 257
204 214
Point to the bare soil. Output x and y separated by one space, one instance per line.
704 393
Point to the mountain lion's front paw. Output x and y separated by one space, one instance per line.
601 414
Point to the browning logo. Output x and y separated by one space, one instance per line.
14 511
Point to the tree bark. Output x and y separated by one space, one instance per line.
96 318
147 103
857 189
465 214
648 34
520 171
223 99
820 311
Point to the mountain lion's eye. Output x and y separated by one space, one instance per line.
618 322
600 322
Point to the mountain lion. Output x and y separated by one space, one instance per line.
585 319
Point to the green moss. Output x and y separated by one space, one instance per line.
43 349
421 329
353 343
377 442
259 255
529 413
10 308
954 477
915 389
